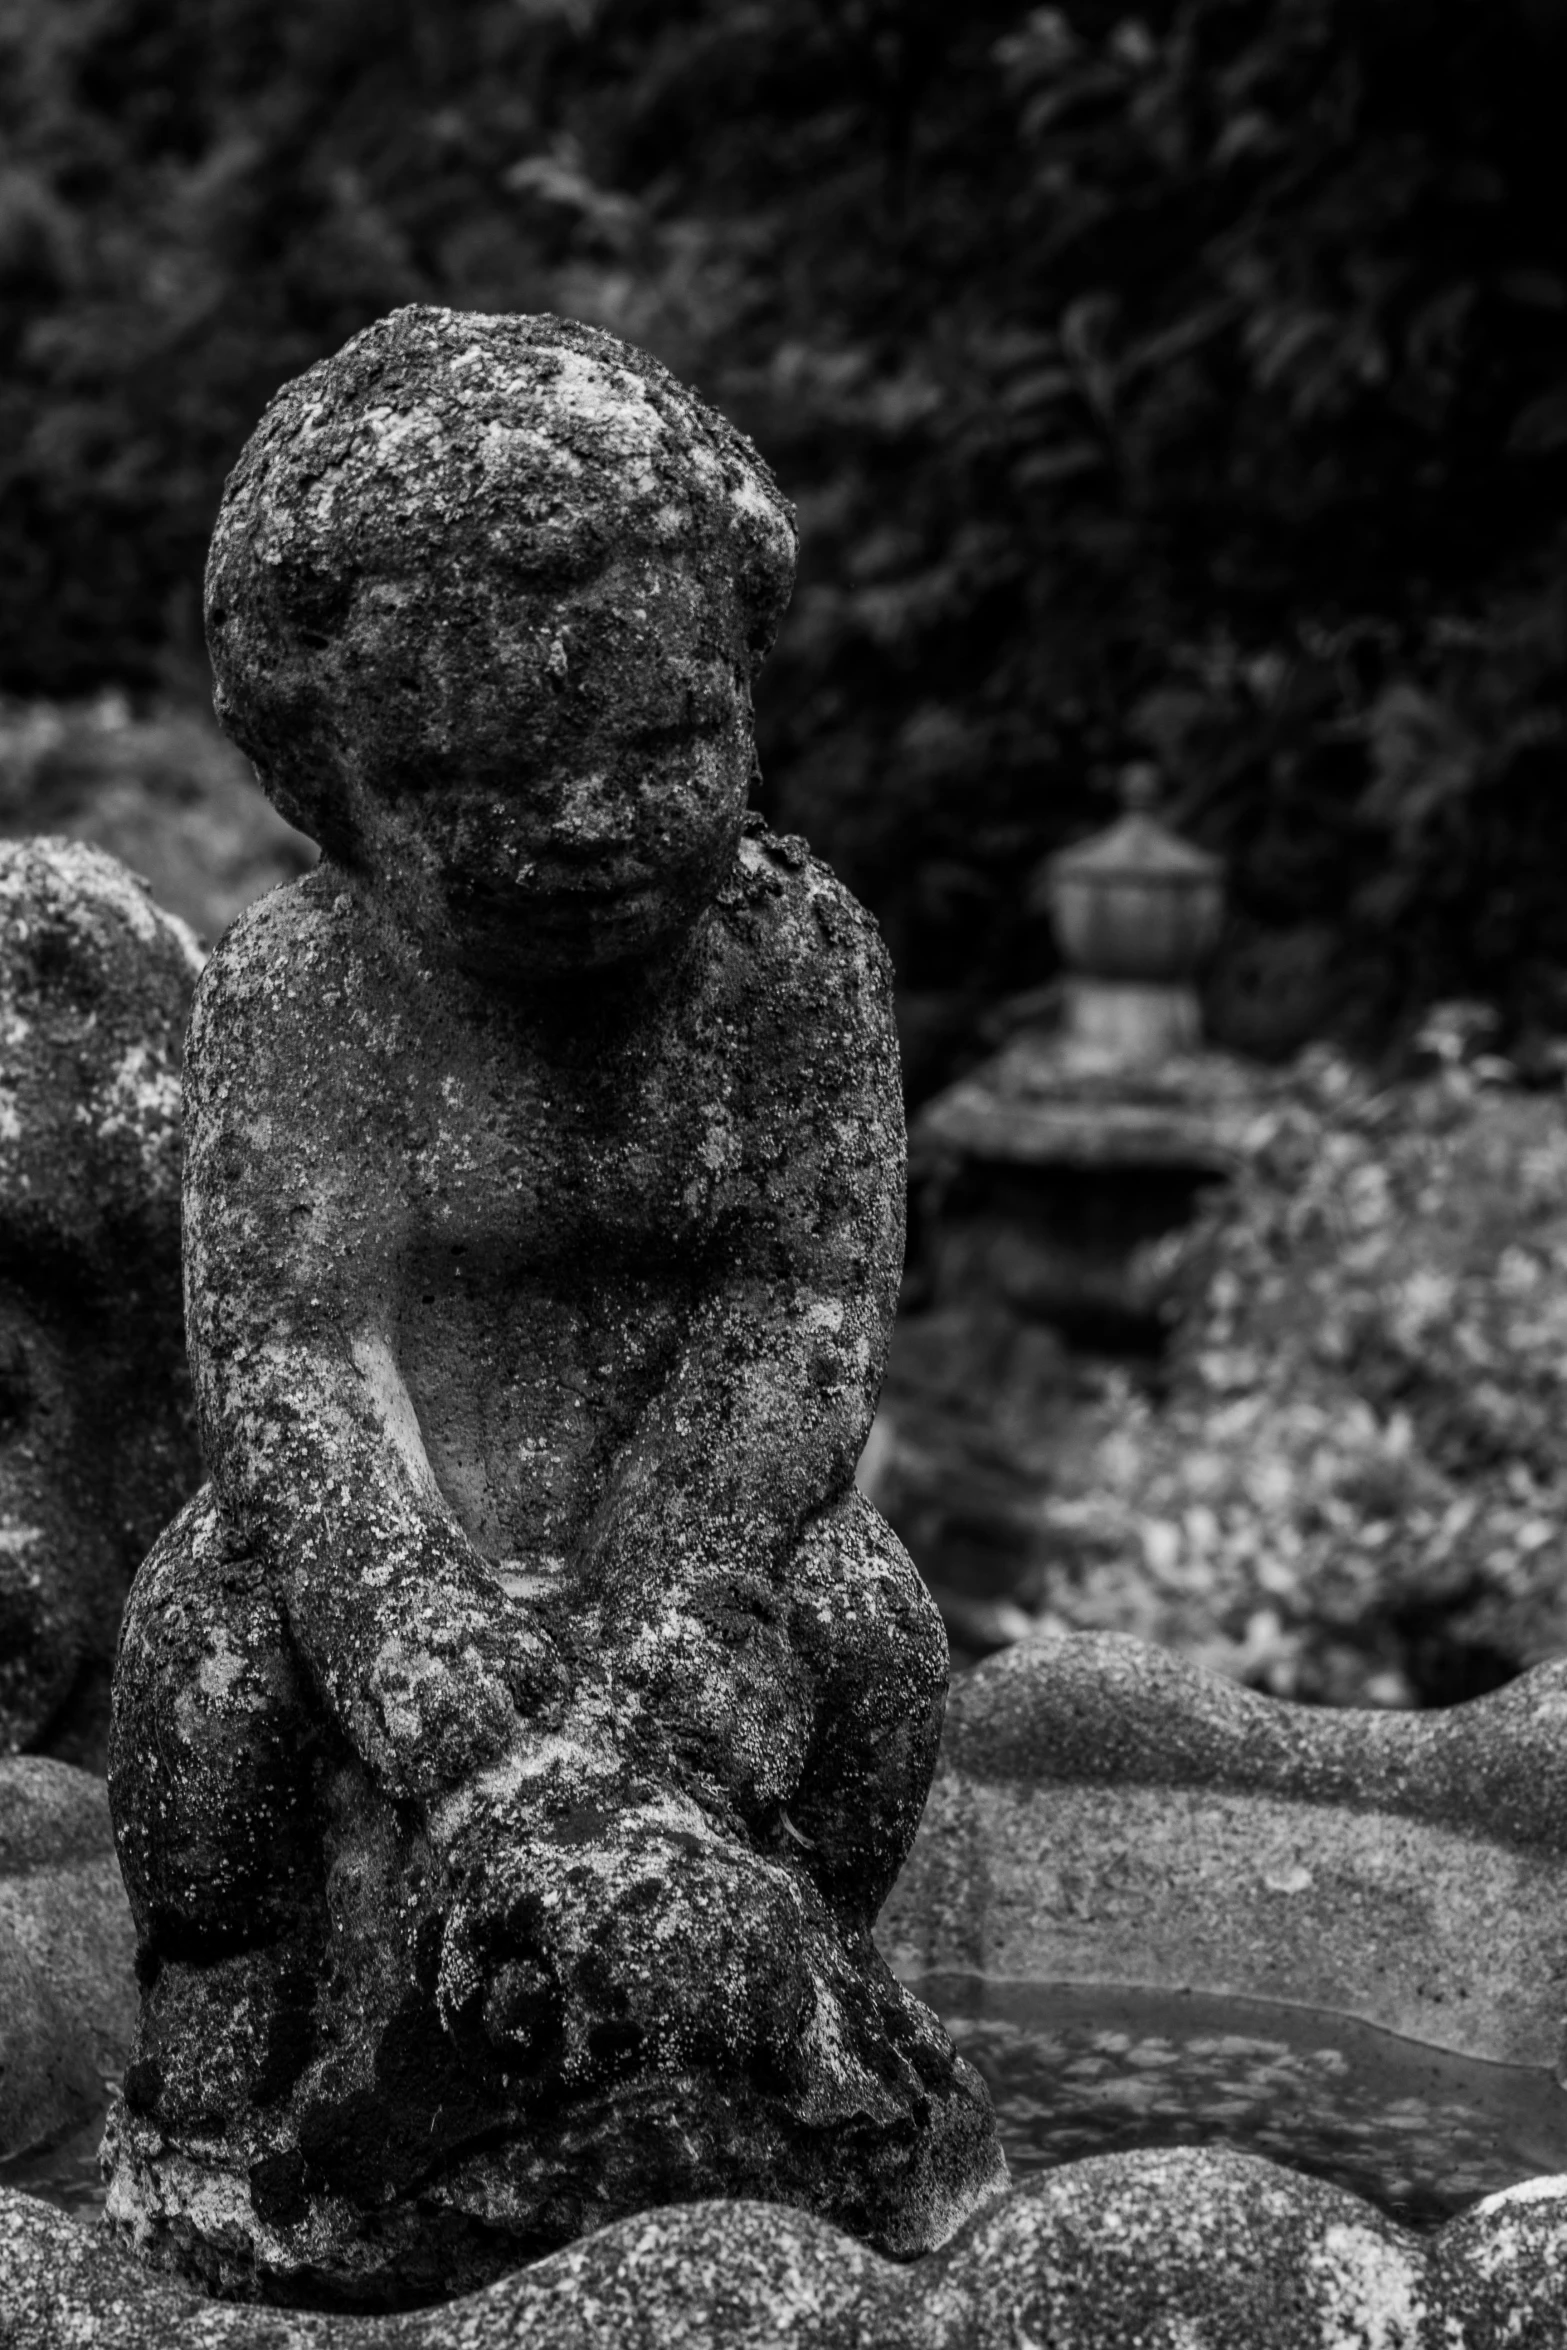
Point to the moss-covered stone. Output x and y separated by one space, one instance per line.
1195 2249
97 1434
67 1995
516 1740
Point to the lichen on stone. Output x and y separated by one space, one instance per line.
97 1437
515 1741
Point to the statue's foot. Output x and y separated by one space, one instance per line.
585 1950
678 2016
611 2009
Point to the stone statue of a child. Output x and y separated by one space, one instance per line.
516 1739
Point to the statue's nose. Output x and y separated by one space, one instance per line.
592 820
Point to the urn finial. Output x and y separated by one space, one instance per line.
1135 910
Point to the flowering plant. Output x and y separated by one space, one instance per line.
1353 1488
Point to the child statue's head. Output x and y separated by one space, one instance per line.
485 599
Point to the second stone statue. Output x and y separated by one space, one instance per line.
516 1739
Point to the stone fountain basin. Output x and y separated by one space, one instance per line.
1102 1814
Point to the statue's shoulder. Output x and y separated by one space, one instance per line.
805 990
298 921
283 960
794 922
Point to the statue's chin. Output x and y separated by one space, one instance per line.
573 930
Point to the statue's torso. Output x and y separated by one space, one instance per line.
535 1221
555 1235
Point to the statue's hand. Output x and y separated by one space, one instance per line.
455 1674
582 1949
715 1669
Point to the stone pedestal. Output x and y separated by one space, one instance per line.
1100 1811
1131 1023
1042 1181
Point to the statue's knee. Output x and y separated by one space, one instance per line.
873 1640
209 1754
730 1692
866 1624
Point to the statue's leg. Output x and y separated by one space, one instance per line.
631 1937
210 1751
874 1646
815 1700
623 1934
711 1662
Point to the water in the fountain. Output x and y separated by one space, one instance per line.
1077 2070
66 2170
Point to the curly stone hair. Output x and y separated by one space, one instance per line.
444 455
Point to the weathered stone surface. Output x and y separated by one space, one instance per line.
1189 2250
47 2082
67 1995
1206 2250
97 1438
1105 1812
516 1741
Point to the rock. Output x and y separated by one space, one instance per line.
67 1994
1201 2248
97 1440
47 2081
514 1744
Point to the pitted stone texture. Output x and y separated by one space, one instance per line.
471 548
67 1996
515 1742
97 1436
1106 1812
1190 2250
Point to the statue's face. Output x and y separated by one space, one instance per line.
548 780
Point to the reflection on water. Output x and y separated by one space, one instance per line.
66 2171
1078 2070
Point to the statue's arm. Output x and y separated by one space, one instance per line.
764 1416
291 1219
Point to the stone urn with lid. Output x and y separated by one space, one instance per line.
1135 911
1043 1171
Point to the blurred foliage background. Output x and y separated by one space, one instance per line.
1186 384
1189 383
1347 1483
